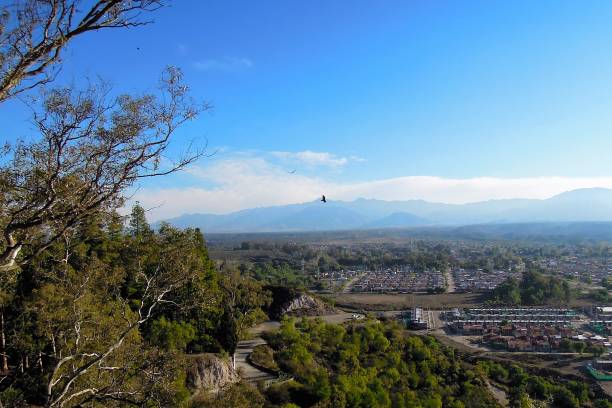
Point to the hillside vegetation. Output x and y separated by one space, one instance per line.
374 364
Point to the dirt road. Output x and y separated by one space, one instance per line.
450 281
349 285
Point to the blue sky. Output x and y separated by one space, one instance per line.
352 94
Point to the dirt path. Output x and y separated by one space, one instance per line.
264 327
499 394
349 285
339 318
450 281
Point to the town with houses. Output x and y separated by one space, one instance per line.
401 280
478 280
534 329
559 330
404 279
473 269
580 268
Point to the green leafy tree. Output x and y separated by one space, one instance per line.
563 398
139 227
171 336
244 298
228 331
373 365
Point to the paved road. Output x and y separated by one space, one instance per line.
247 371
245 347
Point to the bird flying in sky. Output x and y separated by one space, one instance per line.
323 199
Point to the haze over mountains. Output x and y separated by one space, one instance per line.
584 205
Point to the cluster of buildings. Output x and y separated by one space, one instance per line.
581 268
479 280
519 315
523 329
401 280
543 338
336 280
601 319
417 319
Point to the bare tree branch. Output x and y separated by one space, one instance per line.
33 34
70 378
91 151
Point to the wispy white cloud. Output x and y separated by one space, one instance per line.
245 182
310 158
223 64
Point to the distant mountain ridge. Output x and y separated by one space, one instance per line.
584 205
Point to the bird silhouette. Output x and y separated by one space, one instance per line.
323 199
291 172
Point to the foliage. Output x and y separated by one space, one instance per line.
170 335
280 275
263 356
228 331
600 295
244 298
33 35
90 151
524 386
89 321
12 397
606 283
535 288
108 313
507 293
370 365
240 395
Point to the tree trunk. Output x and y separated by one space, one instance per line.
3 340
8 259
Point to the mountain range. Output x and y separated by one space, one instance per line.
584 205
